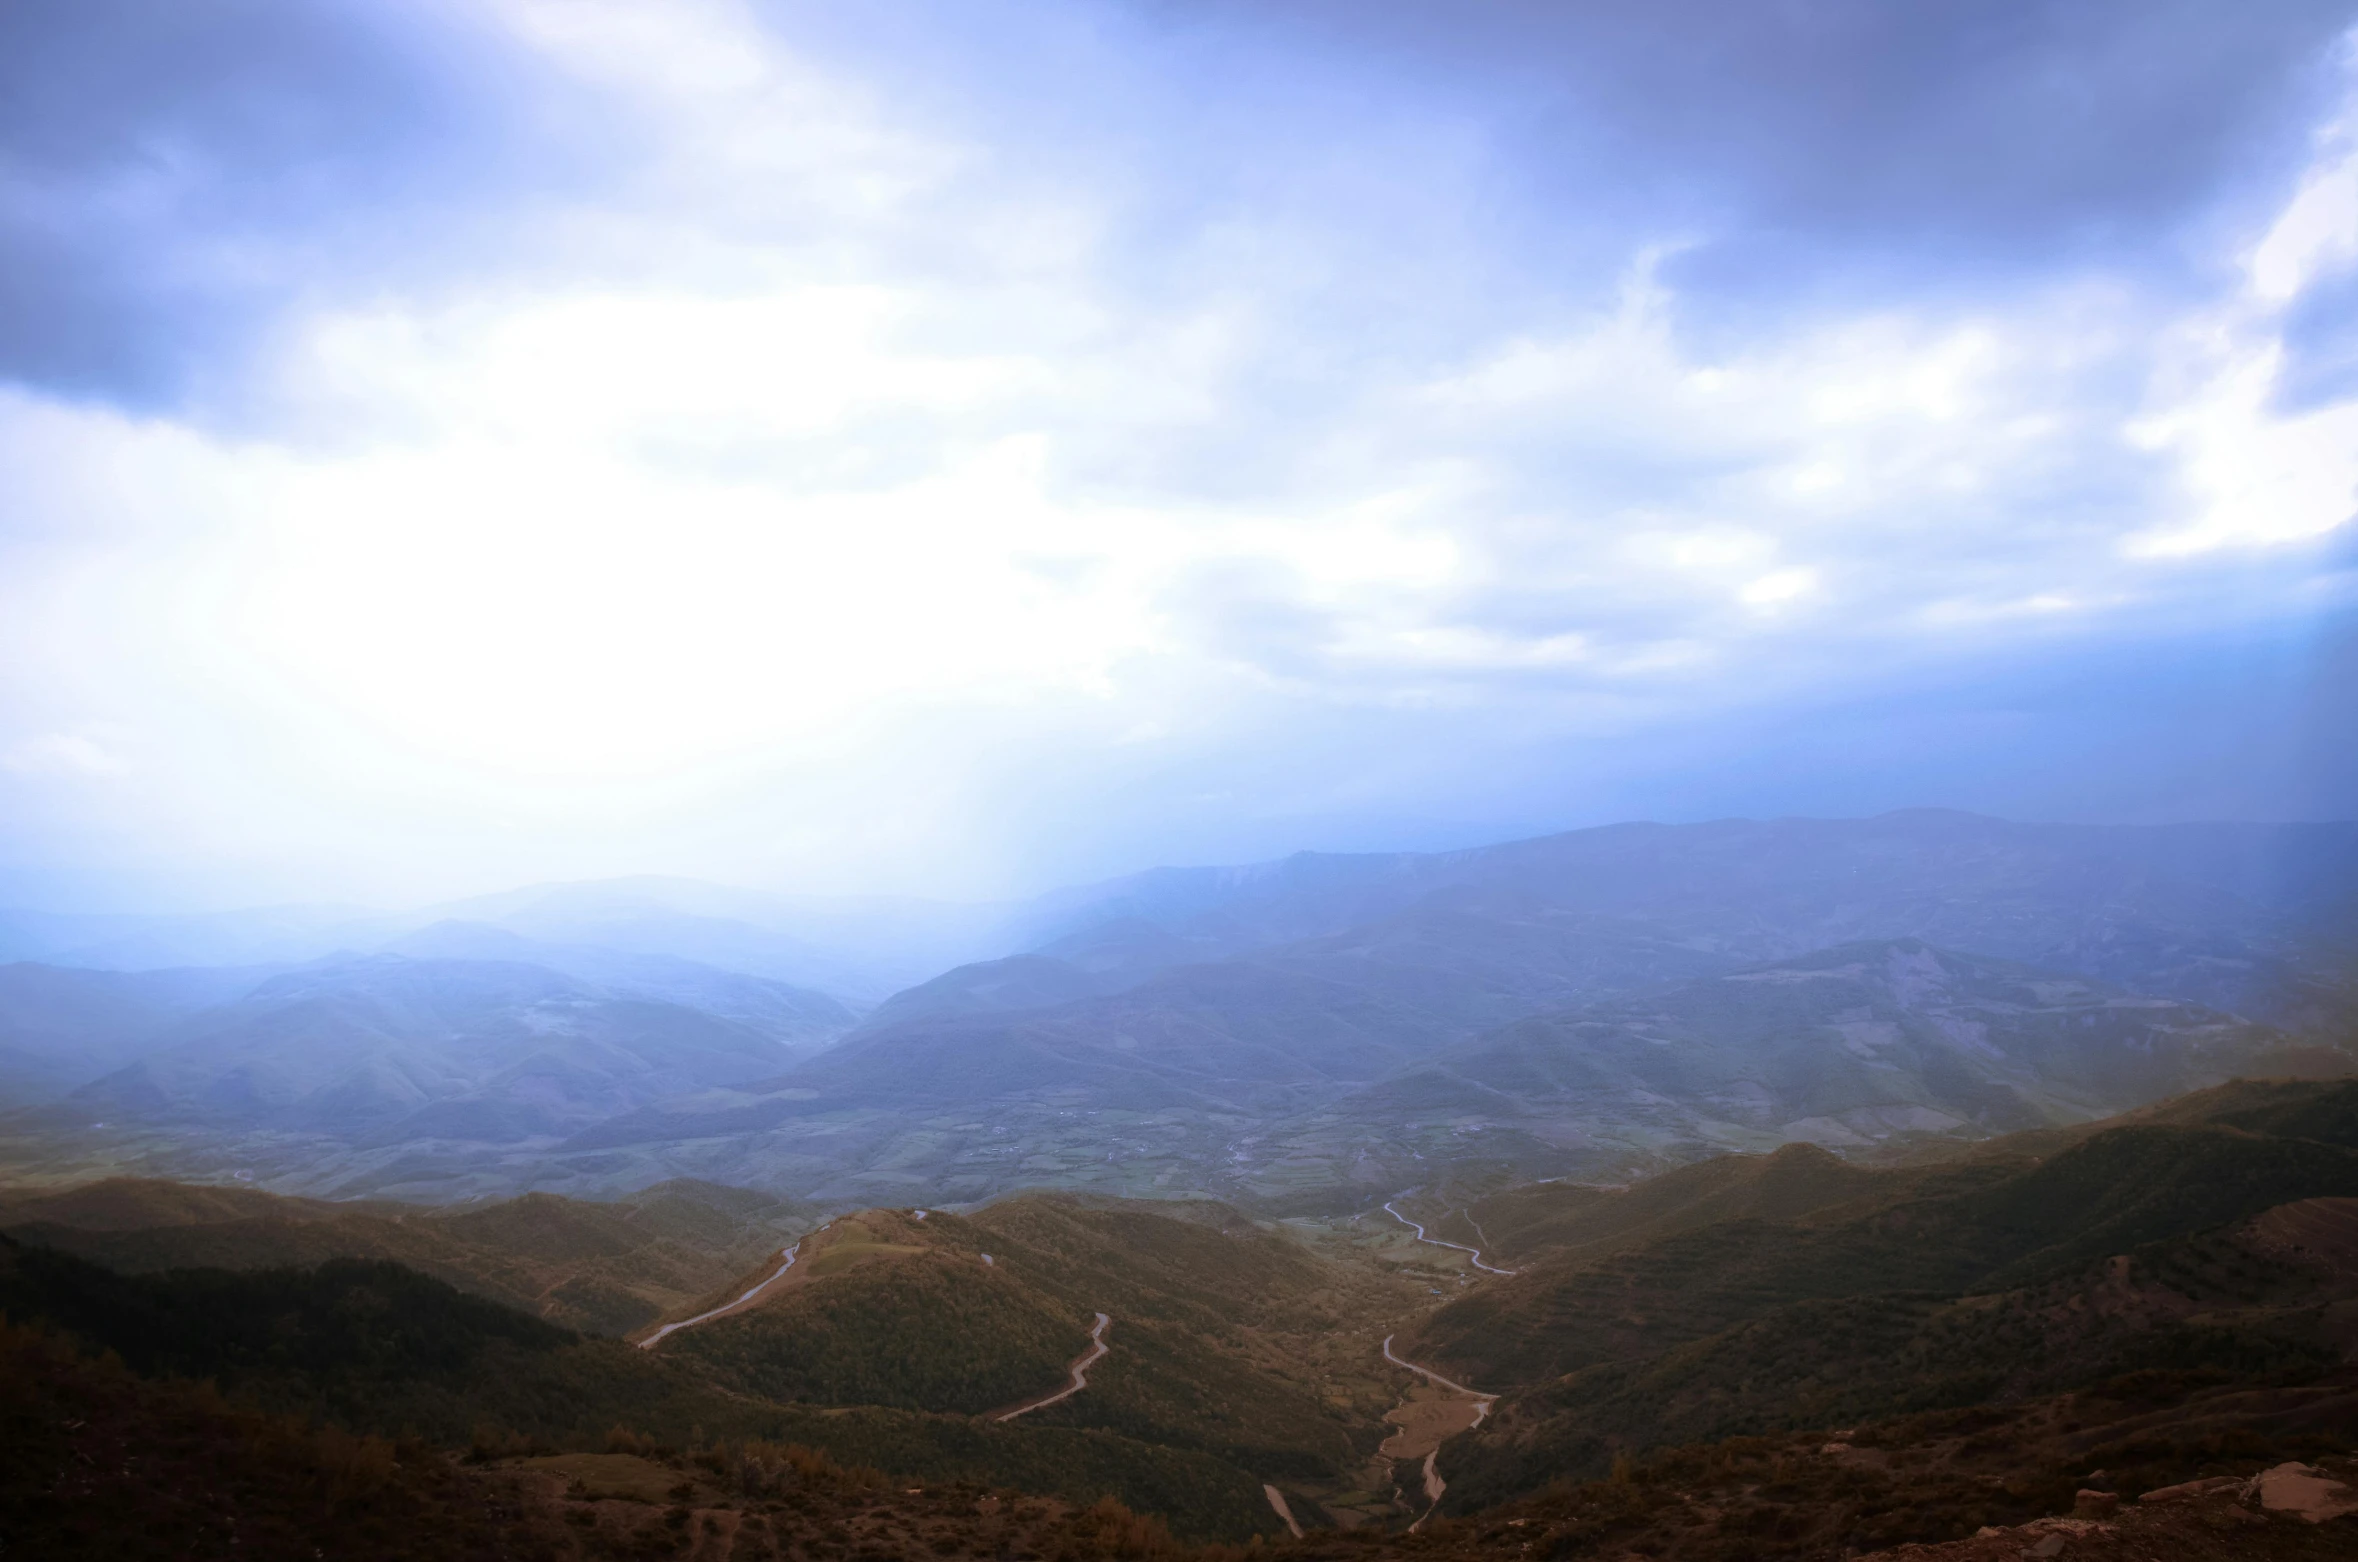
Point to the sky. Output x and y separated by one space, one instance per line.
955 447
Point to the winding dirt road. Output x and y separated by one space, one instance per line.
1424 1428
747 1300
1474 1253
1482 1401
1079 1369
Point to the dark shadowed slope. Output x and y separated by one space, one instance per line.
606 1268
376 1347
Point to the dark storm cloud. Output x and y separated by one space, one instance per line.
172 171
1793 137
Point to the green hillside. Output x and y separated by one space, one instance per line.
1225 1332
604 1268
1240 1356
2142 1249
884 1309
1538 1220
1985 1224
2181 1277
98 1462
2291 1111
928 1330
377 1348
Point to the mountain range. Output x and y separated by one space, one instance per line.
1295 1034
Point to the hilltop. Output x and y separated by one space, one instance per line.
898 1344
605 1268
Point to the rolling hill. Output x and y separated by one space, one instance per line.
2154 1246
1209 1319
599 1268
1516 1225
1780 1355
895 1346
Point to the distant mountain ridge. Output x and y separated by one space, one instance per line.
2252 919
1317 1028
855 949
1309 1093
795 1017
1761 889
441 1048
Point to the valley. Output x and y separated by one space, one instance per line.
1288 1036
2161 1297
1714 1191
1132 781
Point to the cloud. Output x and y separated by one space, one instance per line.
1039 450
2316 234
2268 450
174 180
71 754
1839 137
